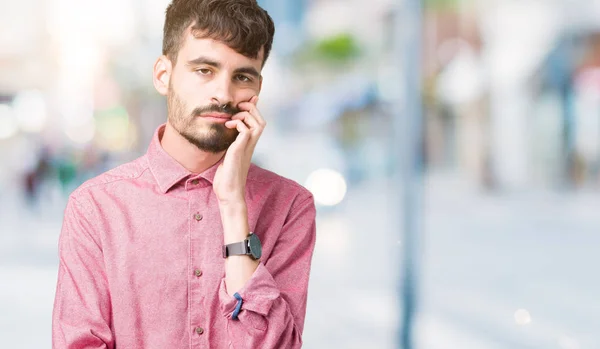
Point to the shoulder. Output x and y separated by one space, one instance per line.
259 176
126 172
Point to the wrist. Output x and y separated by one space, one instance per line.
234 208
235 222
236 202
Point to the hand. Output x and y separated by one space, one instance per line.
230 179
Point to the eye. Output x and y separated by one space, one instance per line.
203 71
243 78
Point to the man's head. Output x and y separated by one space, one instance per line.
213 54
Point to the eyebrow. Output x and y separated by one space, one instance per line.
207 61
204 60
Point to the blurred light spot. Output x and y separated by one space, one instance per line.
327 186
462 80
535 23
114 129
522 317
566 342
8 123
334 240
30 111
79 61
77 109
399 242
81 134
66 17
328 18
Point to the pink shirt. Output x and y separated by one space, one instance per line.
141 262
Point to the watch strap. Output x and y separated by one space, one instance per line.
236 249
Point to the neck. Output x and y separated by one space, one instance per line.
187 154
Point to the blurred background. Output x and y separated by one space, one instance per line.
504 182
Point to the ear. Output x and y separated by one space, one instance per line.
162 74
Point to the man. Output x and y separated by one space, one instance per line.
191 245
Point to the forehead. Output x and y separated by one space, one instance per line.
194 47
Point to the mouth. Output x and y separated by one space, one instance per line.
218 117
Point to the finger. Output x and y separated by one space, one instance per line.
247 106
237 124
251 108
248 119
255 130
244 132
251 104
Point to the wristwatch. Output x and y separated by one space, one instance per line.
250 247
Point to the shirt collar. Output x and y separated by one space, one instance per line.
166 170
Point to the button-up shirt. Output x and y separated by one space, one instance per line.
141 261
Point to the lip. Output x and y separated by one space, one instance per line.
218 117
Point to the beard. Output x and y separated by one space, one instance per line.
207 136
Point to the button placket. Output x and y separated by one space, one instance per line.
197 250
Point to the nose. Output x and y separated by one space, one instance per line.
222 93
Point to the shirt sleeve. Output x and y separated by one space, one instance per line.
273 300
81 315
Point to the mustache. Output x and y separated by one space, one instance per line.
225 108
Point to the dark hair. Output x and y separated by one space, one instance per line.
240 24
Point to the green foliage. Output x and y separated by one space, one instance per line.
442 4
338 48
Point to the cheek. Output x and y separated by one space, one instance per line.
191 91
245 94
184 86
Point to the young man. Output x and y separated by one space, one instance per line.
191 245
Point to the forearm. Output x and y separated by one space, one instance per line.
263 312
264 317
238 269
275 331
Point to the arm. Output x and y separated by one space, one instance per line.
81 316
238 269
273 298
264 303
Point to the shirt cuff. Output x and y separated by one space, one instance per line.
257 295
238 306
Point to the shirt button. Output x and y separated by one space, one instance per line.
199 330
198 217
198 272
195 182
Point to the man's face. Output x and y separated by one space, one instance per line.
206 85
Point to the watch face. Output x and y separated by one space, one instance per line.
255 246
